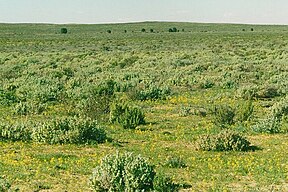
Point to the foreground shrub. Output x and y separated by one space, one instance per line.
128 117
224 141
4 185
69 130
123 172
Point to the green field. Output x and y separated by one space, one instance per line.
177 79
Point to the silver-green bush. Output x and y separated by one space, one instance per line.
128 117
224 141
69 130
123 172
4 185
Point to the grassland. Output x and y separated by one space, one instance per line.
45 75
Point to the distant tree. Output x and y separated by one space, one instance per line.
151 30
143 30
64 30
109 31
252 29
183 30
174 29
243 30
125 31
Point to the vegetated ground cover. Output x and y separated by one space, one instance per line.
189 84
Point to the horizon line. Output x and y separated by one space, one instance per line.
145 21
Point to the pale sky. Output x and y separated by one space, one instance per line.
116 11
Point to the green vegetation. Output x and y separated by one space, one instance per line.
125 172
224 141
206 106
64 30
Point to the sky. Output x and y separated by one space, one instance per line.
122 11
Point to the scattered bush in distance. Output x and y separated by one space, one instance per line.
64 31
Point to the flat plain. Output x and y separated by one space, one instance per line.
177 79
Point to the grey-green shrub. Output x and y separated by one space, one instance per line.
26 108
269 125
151 92
123 172
128 117
69 130
175 162
4 185
15 132
223 115
164 184
244 111
224 141
273 122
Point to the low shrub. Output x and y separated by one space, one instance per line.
123 172
7 97
162 183
4 185
128 117
224 141
223 115
273 122
175 162
69 130
280 108
267 92
247 92
26 108
64 31
269 125
151 92
258 92
15 132
244 111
